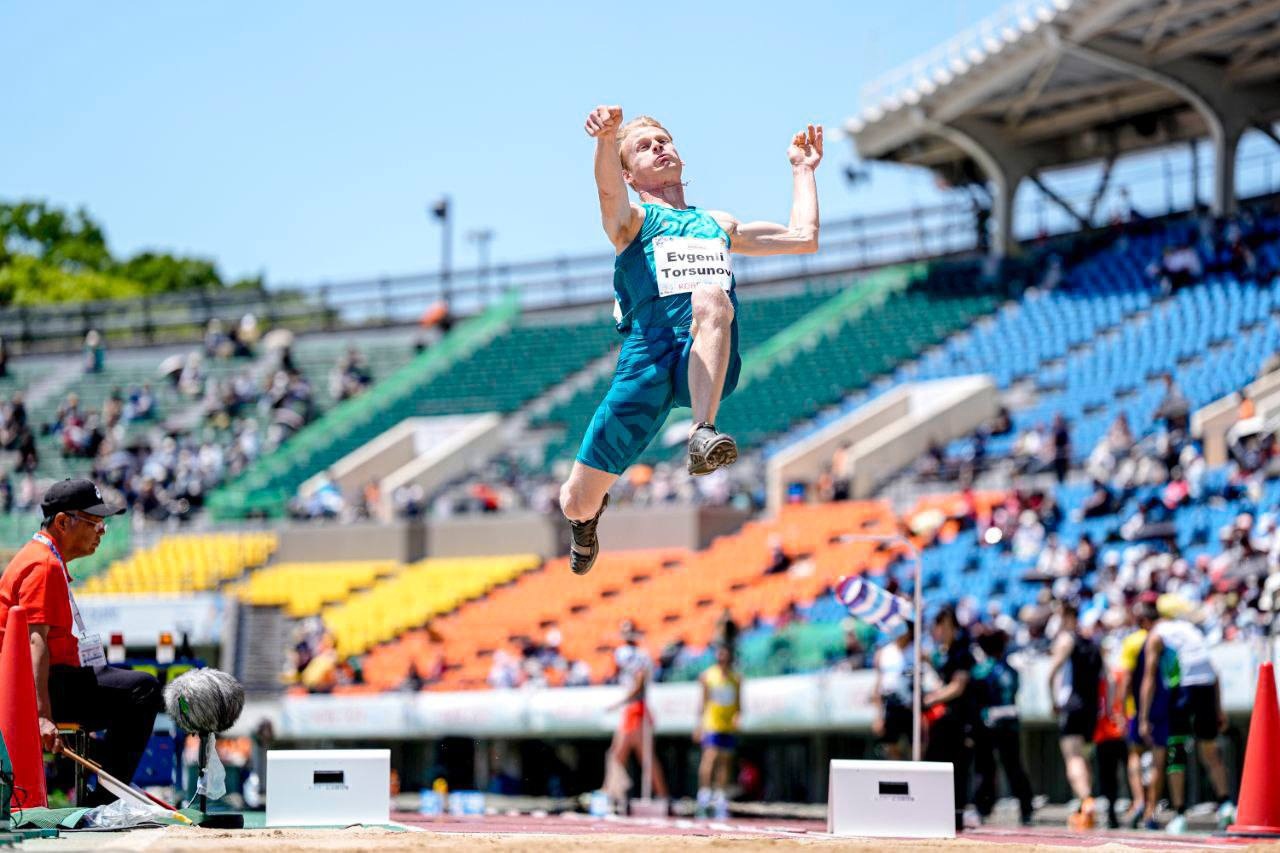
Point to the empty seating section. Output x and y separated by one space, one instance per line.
760 317
668 594
820 375
302 589
415 594
516 367
185 563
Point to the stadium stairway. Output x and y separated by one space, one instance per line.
861 334
262 641
268 484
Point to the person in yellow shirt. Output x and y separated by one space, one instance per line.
1128 680
717 732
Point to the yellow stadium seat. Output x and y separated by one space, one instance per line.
185 563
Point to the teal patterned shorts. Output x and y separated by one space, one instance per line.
651 378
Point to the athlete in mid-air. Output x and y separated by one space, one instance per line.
674 286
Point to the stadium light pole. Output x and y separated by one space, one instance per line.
441 210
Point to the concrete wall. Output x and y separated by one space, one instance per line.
402 541
886 434
1212 423
501 533
621 528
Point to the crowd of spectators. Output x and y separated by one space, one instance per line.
163 462
537 664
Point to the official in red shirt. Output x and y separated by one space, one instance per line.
73 681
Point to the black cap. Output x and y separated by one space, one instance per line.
77 496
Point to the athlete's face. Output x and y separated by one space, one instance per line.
652 158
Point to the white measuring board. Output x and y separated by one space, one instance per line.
891 799
328 787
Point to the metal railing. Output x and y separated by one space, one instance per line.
849 244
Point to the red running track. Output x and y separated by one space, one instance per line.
580 824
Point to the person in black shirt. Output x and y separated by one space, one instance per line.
998 731
951 705
1074 676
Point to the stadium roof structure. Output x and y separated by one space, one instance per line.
1051 83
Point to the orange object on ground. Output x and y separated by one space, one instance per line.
1258 814
19 721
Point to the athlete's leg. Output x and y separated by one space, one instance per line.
706 766
1077 767
1137 792
712 349
630 415
1159 761
616 780
1212 758
584 491
655 766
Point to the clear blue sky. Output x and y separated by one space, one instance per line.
304 140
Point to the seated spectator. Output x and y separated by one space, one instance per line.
579 675
189 381
409 501
779 560
1178 267
217 344
1002 423
1243 262
245 336
1099 503
933 465
505 672
1061 448
140 404
1028 537
95 352
350 376
1086 556
1056 559
1032 451
1174 408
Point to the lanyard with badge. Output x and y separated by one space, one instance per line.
91 651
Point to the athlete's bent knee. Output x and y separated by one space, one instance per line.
573 504
711 307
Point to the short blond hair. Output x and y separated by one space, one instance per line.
629 128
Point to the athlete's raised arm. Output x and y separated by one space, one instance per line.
620 218
800 235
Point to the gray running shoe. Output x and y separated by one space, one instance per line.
585 545
710 450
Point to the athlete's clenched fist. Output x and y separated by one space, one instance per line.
604 121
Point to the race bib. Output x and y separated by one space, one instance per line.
683 263
91 653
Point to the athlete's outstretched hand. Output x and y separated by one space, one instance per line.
604 121
806 147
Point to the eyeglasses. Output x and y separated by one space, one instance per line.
97 523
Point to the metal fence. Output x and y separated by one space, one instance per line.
847 245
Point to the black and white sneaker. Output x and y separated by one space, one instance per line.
710 450
585 545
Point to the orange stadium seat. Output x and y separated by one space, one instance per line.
668 594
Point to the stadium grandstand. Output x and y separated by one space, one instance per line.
1060 388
